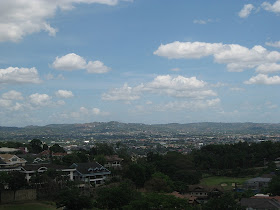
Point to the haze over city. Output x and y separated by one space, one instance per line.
143 61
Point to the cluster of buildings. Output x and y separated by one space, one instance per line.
91 173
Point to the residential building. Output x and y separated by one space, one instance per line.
257 183
92 172
9 162
113 161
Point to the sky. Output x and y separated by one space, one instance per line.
139 61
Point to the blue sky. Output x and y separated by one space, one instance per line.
146 61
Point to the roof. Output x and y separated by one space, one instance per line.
267 197
259 179
203 188
6 158
35 167
260 203
113 158
45 152
87 168
6 149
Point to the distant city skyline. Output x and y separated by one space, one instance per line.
141 61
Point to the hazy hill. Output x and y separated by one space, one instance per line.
123 129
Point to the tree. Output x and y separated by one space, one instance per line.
115 197
16 180
158 201
45 147
274 186
226 201
159 183
4 179
102 149
56 148
138 173
35 146
71 199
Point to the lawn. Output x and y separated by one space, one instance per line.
28 206
218 180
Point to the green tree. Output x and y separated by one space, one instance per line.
158 201
102 149
57 148
226 201
138 173
159 183
35 146
274 186
115 197
16 180
71 199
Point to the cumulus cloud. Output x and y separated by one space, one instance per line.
124 93
263 80
86 112
268 68
202 22
12 95
64 94
50 76
69 62
273 44
236 57
5 103
72 61
188 49
272 7
40 99
236 89
19 18
193 105
246 10
97 67
178 87
19 75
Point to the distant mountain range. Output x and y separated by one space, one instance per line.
117 129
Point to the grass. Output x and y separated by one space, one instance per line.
218 180
29 205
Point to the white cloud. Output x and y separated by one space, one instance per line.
97 67
237 89
270 105
236 57
202 22
268 68
273 44
50 76
19 18
188 49
5 103
179 87
246 10
12 95
264 80
69 62
194 105
40 99
272 7
124 93
72 61
85 112
19 75
64 94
